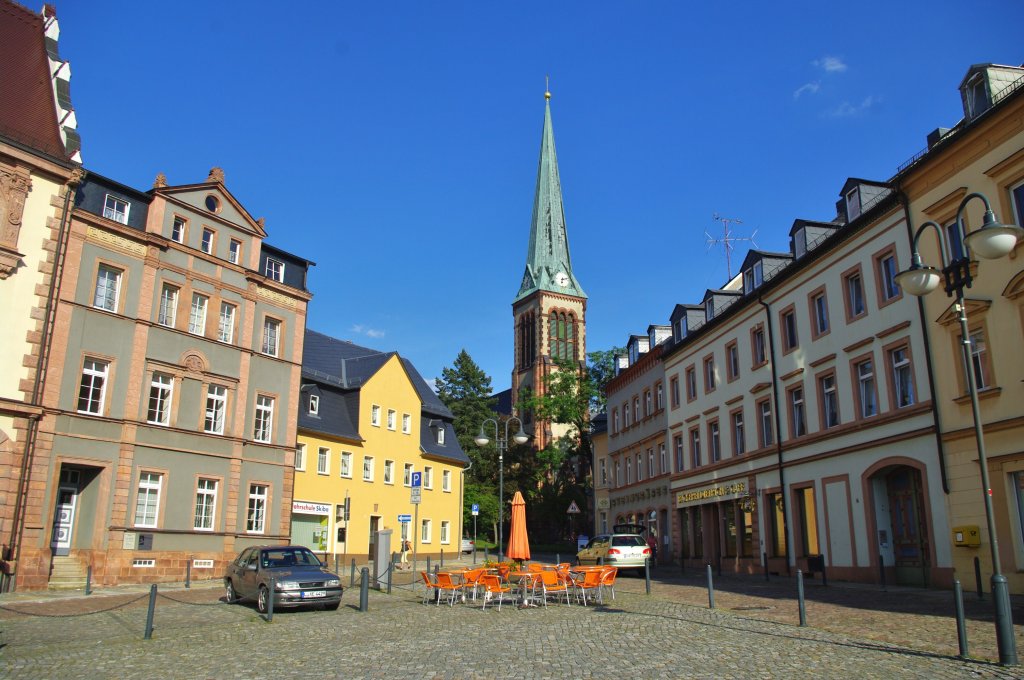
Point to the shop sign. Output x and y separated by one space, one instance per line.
710 494
307 508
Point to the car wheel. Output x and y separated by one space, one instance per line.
333 606
229 592
262 599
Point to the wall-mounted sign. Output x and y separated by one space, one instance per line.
202 564
307 508
710 494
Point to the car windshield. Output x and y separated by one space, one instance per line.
288 557
627 541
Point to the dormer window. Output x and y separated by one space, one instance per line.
977 95
753 277
633 355
314 405
440 435
275 269
800 242
853 204
709 308
681 328
116 209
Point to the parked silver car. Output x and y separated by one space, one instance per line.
299 578
625 551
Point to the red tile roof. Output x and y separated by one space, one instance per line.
28 113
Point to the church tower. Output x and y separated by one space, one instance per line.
549 312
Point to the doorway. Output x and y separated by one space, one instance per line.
374 527
64 512
907 523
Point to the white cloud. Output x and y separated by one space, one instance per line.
368 332
830 64
807 88
846 109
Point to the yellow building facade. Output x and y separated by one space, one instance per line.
364 430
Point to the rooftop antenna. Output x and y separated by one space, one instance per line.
727 239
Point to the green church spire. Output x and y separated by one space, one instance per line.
548 266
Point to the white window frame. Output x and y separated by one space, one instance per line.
107 294
716 442
821 313
406 423
234 251
428 477
197 314
445 531
314 405
392 419
979 348
256 510
346 465
206 499
226 323
446 481
206 240
738 434
829 401
425 527
111 211
902 377
639 467
663 457
93 371
889 269
375 415
389 472
323 460
440 434
168 307
866 387
271 336
274 270
407 471
263 429
161 395
147 500
799 424
300 457
178 225
855 294
367 468
216 409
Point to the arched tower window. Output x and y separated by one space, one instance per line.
527 340
562 335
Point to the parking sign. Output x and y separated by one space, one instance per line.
417 479
476 509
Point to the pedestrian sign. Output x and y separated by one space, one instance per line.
476 509
417 479
573 508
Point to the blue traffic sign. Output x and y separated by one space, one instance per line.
404 519
476 508
417 479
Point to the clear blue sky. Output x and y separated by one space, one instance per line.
396 143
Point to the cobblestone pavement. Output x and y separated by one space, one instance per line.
670 633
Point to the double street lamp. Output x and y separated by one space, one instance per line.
991 241
481 439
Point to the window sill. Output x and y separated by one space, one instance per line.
984 393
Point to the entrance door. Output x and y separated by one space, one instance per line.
910 539
64 519
374 526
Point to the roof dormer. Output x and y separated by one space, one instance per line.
986 84
636 347
806 235
657 334
715 301
760 266
686 319
859 195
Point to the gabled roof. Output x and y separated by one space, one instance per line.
755 255
28 107
214 184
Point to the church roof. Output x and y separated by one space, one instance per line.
548 266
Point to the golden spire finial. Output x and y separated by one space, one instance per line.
547 87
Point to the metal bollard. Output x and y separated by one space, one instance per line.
270 600
88 580
352 581
764 558
442 558
881 571
711 589
149 614
961 623
188 574
800 597
558 558
364 589
647 574
977 578
391 569
428 565
335 563
600 560
487 554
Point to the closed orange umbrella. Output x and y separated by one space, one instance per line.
518 543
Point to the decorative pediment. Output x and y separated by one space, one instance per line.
213 198
974 307
1015 288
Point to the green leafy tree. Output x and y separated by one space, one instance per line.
601 369
466 390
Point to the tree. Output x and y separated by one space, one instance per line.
466 390
601 369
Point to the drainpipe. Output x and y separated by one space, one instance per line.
462 507
778 431
13 551
928 357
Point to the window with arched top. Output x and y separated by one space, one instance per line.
562 335
527 340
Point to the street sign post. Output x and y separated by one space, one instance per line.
416 482
404 519
573 510
476 509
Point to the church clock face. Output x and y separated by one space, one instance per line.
562 279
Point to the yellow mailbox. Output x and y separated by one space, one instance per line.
967 536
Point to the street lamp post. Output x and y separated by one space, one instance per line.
481 439
991 241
